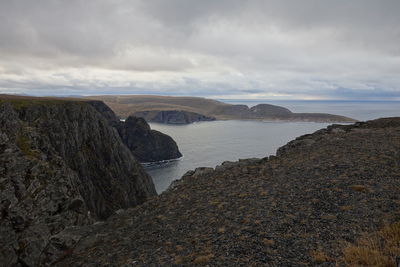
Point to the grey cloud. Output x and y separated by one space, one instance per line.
102 27
201 47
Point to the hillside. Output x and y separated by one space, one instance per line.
301 207
150 106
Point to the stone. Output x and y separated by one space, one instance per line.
62 165
147 145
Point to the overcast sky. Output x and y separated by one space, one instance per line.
309 49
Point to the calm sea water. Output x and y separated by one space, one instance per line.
207 144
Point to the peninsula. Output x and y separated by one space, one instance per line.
182 110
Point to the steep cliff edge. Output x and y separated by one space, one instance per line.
146 145
61 165
172 116
297 208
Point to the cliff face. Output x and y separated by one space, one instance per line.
172 116
297 208
61 165
146 145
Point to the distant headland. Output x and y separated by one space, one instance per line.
183 110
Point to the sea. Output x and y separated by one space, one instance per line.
208 144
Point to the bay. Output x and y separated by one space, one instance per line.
208 144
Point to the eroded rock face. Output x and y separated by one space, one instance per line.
61 165
146 144
173 116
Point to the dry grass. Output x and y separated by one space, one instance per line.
345 208
376 249
221 230
203 259
319 256
329 217
359 188
268 242
179 260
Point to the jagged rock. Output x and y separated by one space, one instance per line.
61 165
146 145
172 116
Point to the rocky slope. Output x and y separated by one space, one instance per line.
297 208
153 106
146 145
61 165
172 116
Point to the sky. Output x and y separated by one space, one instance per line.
224 49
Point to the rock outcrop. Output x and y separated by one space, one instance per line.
172 116
61 165
146 145
297 208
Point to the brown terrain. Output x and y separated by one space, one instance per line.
305 206
152 107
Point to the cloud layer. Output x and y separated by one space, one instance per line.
308 49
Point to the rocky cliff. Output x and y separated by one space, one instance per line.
61 165
172 116
146 145
300 207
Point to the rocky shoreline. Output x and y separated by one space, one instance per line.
321 191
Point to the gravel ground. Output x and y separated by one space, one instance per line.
320 192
